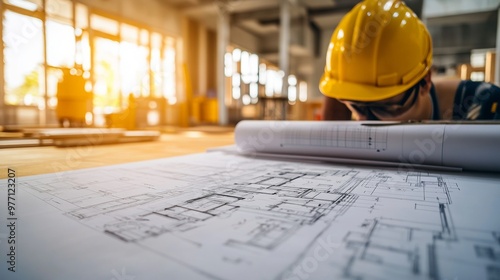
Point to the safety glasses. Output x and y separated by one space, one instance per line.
394 106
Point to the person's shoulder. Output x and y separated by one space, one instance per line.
445 89
479 88
446 85
477 100
449 87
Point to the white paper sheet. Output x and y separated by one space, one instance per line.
467 146
222 216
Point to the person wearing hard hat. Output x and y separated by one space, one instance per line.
378 67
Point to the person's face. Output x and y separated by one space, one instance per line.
414 104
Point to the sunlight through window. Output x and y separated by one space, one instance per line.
23 58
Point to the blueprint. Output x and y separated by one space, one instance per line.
429 143
222 216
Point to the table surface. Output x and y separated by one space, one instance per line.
48 159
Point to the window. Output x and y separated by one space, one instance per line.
134 64
30 5
156 63
60 44
116 58
104 24
169 81
60 10
23 58
106 76
250 78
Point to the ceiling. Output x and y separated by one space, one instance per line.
262 17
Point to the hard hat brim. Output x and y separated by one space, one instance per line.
362 92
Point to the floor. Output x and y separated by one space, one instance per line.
171 142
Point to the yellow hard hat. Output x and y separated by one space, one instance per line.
379 50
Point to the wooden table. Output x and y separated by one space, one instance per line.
49 159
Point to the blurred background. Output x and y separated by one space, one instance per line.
181 63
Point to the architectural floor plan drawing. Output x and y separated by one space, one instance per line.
222 216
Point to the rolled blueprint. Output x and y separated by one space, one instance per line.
462 145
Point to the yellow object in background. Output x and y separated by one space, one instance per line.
73 102
204 110
210 110
125 118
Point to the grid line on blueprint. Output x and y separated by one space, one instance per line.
338 137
